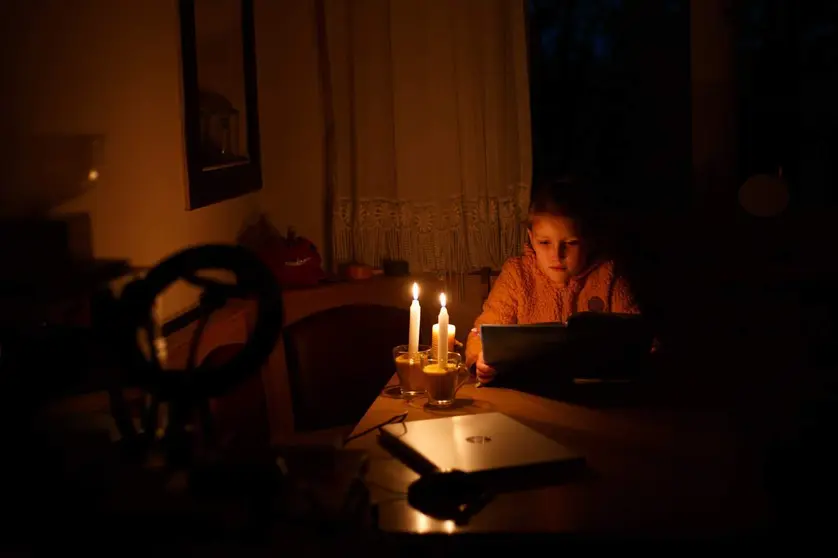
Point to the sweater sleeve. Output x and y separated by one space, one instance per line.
622 299
501 307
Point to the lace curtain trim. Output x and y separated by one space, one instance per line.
456 235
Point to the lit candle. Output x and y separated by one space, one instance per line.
442 349
452 332
415 314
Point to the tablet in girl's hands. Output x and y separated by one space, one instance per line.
505 345
590 345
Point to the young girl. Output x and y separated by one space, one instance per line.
562 271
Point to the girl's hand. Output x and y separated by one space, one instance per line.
485 373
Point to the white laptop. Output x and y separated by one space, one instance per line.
481 443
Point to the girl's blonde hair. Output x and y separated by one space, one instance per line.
571 197
568 197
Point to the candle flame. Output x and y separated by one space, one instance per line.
415 291
442 299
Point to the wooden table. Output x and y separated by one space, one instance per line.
655 472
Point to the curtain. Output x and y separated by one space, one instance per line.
428 147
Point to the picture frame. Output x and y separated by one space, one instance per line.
220 100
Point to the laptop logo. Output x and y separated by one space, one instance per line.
478 439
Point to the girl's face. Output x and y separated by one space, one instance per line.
559 249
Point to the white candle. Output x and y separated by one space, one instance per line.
442 349
415 315
452 333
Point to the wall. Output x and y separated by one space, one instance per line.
713 97
290 116
112 70
792 243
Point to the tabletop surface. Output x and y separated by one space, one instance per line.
652 471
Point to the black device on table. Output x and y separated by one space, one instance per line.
591 345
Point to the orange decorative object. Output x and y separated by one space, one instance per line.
358 272
294 259
299 262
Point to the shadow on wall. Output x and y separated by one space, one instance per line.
44 172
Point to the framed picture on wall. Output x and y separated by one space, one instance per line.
220 106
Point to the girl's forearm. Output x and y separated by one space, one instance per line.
473 347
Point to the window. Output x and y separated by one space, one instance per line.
610 93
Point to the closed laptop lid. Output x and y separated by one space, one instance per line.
476 443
